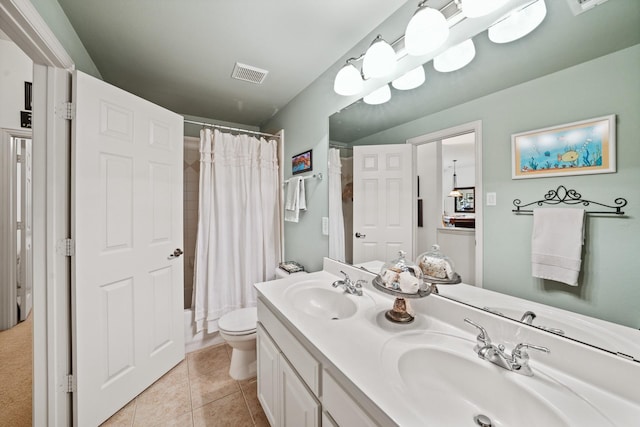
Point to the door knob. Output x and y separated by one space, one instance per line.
360 236
175 254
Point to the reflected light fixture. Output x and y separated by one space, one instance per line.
427 31
379 60
455 57
410 80
477 8
518 23
378 96
348 80
455 192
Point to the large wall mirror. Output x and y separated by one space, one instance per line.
412 114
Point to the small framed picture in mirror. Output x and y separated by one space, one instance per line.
301 163
466 203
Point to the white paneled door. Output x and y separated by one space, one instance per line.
127 297
383 202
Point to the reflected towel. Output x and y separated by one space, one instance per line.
556 244
295 199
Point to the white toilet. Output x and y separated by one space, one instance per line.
238 329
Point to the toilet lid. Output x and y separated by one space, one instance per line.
241 320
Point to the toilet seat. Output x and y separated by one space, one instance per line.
239 322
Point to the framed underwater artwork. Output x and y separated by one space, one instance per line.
579 148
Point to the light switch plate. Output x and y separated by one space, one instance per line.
491 199
325 226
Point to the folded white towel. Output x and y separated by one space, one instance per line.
294 200
556 244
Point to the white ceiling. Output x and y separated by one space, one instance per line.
180 54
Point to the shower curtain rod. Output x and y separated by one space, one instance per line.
231 129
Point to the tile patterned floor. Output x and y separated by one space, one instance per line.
198 392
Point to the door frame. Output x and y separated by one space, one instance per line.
475 126
51 201
8 264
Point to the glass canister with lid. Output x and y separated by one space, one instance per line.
402 275
437 267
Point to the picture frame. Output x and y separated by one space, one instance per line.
301 163
579 148
466 203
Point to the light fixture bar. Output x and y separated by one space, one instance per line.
452 14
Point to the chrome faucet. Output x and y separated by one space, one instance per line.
349 286
517 361
528 317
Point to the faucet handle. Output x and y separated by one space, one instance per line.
520 352
360 282
483 337
346 277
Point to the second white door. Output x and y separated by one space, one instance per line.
383 202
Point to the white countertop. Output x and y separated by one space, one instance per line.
355 347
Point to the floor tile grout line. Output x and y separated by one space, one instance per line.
246 404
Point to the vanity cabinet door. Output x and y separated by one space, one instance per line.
268 357
298 407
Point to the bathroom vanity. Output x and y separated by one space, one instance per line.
326 357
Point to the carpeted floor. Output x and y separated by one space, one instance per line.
16 367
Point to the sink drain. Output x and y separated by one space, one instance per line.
483 420
335 318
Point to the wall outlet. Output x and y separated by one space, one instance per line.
491 199
325 226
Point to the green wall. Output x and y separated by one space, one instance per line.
606 85
57 20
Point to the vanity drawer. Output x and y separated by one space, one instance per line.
307 367
342 408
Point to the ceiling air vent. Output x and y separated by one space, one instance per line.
579 6
248 73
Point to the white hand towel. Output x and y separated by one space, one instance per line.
556 244
295 199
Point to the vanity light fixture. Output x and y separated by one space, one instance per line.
477 8
379 60
378 96
518 23
455 57
348 80
427 31
455 192
410 80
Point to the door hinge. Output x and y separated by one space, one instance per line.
70 383
66 110
19 158
19 225
66 247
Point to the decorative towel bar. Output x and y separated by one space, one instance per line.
570 197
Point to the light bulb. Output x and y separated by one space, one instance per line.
379 60
378 96
477 8
410 80
455 57
348 81
519 23
427 31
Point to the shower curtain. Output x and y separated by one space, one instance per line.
336 221
238 242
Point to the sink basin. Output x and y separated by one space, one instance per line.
321 301
451 385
